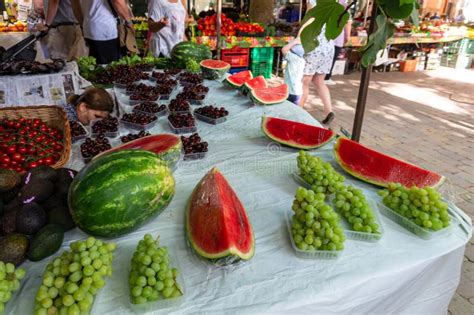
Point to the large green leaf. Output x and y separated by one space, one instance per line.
397 9
377 40
326 12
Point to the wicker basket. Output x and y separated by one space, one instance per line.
53 116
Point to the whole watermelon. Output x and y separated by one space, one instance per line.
189 50
116 193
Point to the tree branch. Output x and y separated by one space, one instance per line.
353 3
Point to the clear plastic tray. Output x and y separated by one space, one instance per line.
362 236
81 137
178 112
194 156
315 254
163 304
412 226
158 114
300 180
213 121
165 97
196 102
134 126
182 130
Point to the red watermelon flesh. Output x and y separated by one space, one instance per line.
381 169
296 134
238 79
256 83
216 222
214 64
271 95
159 144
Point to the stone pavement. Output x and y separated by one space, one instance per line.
426 118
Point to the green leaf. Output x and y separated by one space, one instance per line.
326 12
415 17
377 40
397 10
402 2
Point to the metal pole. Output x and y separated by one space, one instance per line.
367 11
301 10
218 33
363 87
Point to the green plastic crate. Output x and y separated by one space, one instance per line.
262 54
262 68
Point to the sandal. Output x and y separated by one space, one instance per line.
329 118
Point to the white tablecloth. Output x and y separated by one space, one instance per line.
400 274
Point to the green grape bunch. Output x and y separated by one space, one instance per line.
315 225
71 280
9 282
151 276
319 174
423 206
192 66
352 204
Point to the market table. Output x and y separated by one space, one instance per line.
400 274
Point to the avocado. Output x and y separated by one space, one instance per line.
8 222
46 242
40 172
11 194
56 200
65 174
13 248
61 216
36 190
30 219
8 180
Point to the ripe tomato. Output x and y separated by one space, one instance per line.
31 165
22 150
31 150
11 149
48 161
58 147
40 162
17 157
5 159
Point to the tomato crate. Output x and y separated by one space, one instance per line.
236 57
262 68
262 54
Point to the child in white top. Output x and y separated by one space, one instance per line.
293 53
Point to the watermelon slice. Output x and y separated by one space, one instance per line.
270 96
381 169
214 69
256 83
238 79
295 134
166 146
216 222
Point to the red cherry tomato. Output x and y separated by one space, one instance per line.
32 165
11 149
5 159
17 157
40 162
22 150
58 147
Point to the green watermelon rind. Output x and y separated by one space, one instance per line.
232 253
294 145
189 50
259 102
155 173
365 179
211 73
228 80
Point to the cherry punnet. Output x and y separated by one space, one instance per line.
181 120
193 144
212 112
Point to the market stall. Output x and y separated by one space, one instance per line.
9 39
400 273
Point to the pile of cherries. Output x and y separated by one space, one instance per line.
160 76
172 71
178 105
76 129
190 95
193 144
139 88
149 107
138 118
212 112
92 147
27 143
190 78
181 120
126 74
165 89
197 89
108 124
134 136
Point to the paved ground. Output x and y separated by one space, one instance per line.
426 118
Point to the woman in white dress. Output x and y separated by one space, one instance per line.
166 22
317 64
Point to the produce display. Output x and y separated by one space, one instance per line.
193 144
192 66
319 174
71 281
182 120
92 147
35 214
161 76
105 125
255 83
217 225
212 112
16 67
189 50
17 26
179 105
190 78
238 79
77 129
152 277
134 136
207 26
423 206
10 282
149 107
141 119
27 143
270 95
381 169
295 134
353 206
214 69
116 193
315 225
190 95
196 89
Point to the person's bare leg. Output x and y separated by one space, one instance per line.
306 83
323 92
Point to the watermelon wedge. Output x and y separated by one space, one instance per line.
166 146
270 96
214 69
381 169
238 79
295 134
256 83
217 225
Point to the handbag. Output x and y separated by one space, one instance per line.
127 39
